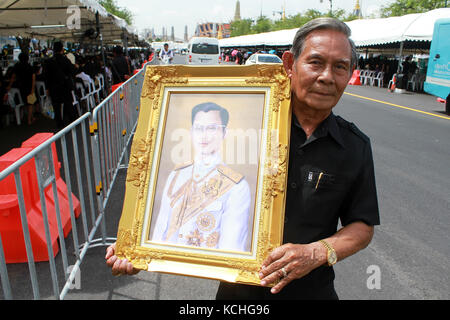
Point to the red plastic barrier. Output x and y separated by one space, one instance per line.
355 78
10 222
61 187
114 87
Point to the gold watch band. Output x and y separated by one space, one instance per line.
331 253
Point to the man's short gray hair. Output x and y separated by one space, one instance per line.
322 24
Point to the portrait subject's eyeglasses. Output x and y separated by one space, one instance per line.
209 129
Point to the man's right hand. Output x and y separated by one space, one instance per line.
118 266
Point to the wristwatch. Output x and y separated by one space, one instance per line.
331 254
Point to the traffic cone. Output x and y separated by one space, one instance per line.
355 78
392 87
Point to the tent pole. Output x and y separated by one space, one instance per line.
401 58
102 49
125 42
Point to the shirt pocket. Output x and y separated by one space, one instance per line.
321 180
323 195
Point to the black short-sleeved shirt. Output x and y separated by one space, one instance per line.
330 178
24 78
120 68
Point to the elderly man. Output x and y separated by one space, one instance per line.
330 176
205 203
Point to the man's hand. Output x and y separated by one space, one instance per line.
118 266
290 262
299 260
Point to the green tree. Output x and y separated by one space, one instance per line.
402 7
263 24
112 7
241 27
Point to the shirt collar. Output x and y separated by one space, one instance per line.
328 126
204 165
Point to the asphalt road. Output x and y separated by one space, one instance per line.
411 154
409 255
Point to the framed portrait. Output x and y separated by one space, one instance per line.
205 188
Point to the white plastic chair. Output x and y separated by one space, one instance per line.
83 96
16 103
378 79
363 75
101 84
91 93
369 78
41 92
412 82
76 103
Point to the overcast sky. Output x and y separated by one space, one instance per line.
179 13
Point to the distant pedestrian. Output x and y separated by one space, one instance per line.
59 75
120 66
24 79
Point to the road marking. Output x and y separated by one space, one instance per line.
398 106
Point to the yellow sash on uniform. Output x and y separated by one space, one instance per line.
197 195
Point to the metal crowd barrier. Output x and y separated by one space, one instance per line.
91 151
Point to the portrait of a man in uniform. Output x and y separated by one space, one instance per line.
205 203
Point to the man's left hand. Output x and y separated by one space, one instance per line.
290 262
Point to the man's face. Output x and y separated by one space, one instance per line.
166 47
321 73
207 133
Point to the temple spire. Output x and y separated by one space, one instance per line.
357 10
237 12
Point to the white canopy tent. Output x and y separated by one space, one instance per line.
411 27
56 19
388 32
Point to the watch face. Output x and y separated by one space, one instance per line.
332 258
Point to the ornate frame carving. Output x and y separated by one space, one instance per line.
241 268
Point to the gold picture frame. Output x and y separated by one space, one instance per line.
258 96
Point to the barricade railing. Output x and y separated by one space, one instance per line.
58 191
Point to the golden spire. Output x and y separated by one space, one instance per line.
357 11
220 35
237 13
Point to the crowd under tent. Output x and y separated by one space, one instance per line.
76 21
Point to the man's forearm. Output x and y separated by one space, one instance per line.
350 239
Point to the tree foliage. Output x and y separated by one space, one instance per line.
241 27
112 7
402 7
264 24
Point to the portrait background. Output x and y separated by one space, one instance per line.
246 112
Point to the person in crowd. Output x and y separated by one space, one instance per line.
120 66
24 79
166 53
59 75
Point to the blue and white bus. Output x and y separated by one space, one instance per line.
437 82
